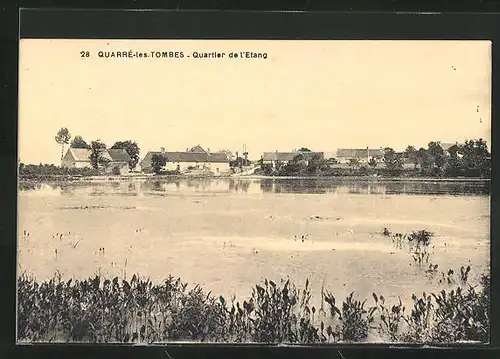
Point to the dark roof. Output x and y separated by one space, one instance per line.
189 156
197 149
80 154
358 152
118 155
279 156
113 155
218 157
288 156
447 146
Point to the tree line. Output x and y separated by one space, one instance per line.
470 159
97 148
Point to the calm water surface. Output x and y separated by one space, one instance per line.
228 235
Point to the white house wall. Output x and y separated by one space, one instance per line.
360 160
69 163
81 164
218 167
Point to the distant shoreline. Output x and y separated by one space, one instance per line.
111 178
376 179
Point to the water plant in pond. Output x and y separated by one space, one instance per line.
105 310
417 243
390 318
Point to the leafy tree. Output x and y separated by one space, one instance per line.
353 162
289 169
364 171
266 169
437 154
372 162
62 137
411 155
298 158
240 162
393 161
158 162
97 149
132 149
279 165
424 160
476 158
79 142
297 165
454 164
316 164
304 149
454 150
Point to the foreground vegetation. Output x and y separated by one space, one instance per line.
106 310
112 310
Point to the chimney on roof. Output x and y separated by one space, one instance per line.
208 150
187 149
162 150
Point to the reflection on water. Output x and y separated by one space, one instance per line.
320 186
278 186
181 226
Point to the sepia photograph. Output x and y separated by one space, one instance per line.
254 191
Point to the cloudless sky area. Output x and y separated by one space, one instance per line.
322 95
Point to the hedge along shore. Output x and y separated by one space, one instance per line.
106 178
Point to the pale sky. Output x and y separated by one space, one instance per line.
319 94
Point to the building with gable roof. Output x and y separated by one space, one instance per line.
80 158
194 160
362 155
284 157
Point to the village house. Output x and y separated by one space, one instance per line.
450 147
284 157
361 155
447 146
192 160
80 158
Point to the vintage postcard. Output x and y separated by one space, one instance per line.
229 191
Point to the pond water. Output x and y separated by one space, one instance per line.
230 234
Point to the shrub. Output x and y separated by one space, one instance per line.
37 172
